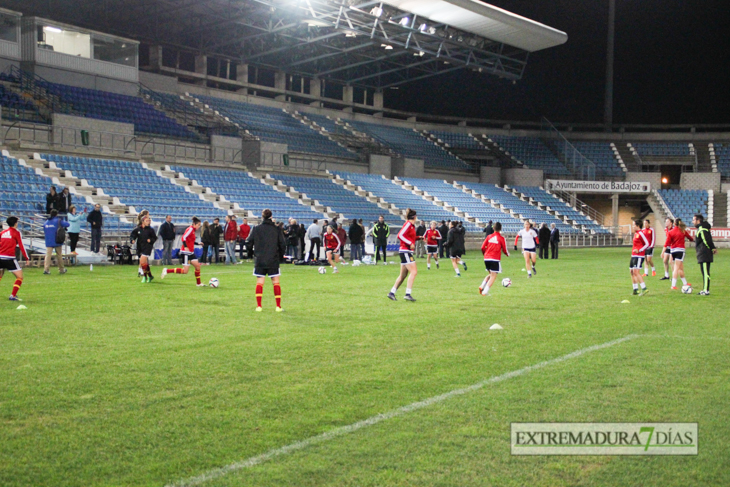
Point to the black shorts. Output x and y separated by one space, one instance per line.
432 249
636 262
532 250
668 251
186 257
493 266
334 251
9 265
455 254
649 252
266 271
406 258
678 255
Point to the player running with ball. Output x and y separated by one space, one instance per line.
187 254
638 253
493 248
529 243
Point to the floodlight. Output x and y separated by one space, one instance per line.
53 29
376 12
405 21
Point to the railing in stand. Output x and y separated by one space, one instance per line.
591 213
579 165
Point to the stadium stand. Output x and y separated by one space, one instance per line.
460 141
16 107
22 191
532 152
326 123
601 154
662 148
554 203
685 203
722 154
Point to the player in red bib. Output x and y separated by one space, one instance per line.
11 239
332 245
432 238
187 254
666 250
676 237
493 247
651 237
407 238
638 253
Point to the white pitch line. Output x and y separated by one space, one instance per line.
677 337
343 430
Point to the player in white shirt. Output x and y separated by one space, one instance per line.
529 245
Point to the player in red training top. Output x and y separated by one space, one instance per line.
407 238
666 250
651 237
675 242
638 253
332 246
432 238
187 254
493 247
10 239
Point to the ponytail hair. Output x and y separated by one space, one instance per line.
679 223
410 214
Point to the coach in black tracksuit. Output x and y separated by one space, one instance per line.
705 248
381 232
269 245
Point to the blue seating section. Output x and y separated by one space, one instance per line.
17 108
722 152
684 203
336 197
533 153
555 203
22 191
250 193
139 187
327 123
662 148
410 144
275 125
114 107
600 154
458 141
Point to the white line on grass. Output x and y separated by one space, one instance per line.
343 430
687 338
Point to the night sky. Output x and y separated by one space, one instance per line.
672 67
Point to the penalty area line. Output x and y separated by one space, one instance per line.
394 413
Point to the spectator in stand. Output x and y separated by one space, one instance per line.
96 221
314 234
74 229
50 230
544 236
420 246
355 234
243 232
230 236
206 240
342 234
444 231
554 241
488 230
63 203
51 200
167 234
216 230
381 232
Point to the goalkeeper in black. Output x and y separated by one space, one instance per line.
705 249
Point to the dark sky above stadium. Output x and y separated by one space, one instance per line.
672 67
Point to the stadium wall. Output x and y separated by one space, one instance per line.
381 165
654 178
701 180
491 175
83 80
113 136
523 177
158 82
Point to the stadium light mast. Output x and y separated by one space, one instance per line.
608 100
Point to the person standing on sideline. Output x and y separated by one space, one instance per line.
705 249
243 232
63 203
230 236
10 239
420 244
302 243
666 250
554 241
641 243
167 234
488 230
407 238
381 232
51 200
292 239
50 230
544 236
96 221
342 235
314 234
651 237
356 233
493 247
268 244
216 230
206 241
74 228
444 231
362 239
187 254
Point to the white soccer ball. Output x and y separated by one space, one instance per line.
506 282
322 270
687 289
213 282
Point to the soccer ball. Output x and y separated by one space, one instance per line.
213 282
322 270
506 282
687 289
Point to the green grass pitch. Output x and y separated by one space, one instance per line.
105 381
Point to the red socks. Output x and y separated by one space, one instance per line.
259 294
146 269
277 295
197 277
16 286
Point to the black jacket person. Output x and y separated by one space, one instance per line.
705 249
381 232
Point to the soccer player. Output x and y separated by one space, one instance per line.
676 243
269 246
651 237
146 238
666 250
529 242
432 238
493 248
10 239
706 251
332 246
455 245
187 254
133 238
407 238
638 253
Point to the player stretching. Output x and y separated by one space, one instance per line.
666 250
493 248
9 240
432 237
638 253
332 246
268 244
676 243
187 254
529 242
651 237
146 238
407 238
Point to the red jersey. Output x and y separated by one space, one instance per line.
641 243
188 240
407 237
650 236
244 231
432 237
675 239
666 236
332 242
9 240
493 247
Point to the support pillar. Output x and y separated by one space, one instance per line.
242 75
347 97
378 99
156 57
201 67
280 84
614 212
315 89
